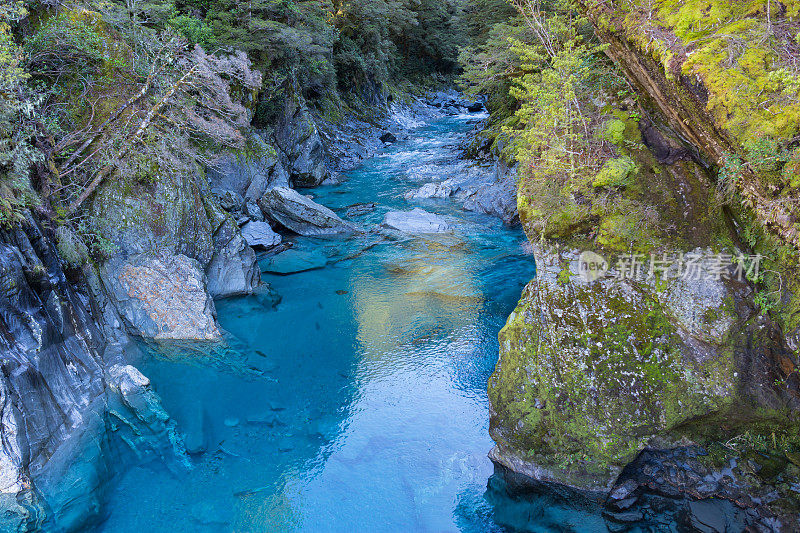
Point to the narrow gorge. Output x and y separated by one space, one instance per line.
400 265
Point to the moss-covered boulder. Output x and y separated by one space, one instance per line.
591 373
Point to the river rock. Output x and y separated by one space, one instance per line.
293 261
301 215
162 296
260 234
388 138
357 210
233 270
498 197
430 190
417 221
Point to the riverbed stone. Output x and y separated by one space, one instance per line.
260 234
417 221
430 190
293 261
302 215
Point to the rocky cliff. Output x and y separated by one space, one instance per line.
71 405
650 377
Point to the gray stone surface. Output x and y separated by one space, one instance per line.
233 270
63 369
162 296
417 221
298 138
260 234
431 190
301 215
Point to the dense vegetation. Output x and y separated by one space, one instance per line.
93 90
574 121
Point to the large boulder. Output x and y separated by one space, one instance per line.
248 173
301 215
162 296
497 198
593 372
417 221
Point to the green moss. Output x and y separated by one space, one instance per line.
602 370
616 173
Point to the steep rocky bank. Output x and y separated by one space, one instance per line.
662 387
66 387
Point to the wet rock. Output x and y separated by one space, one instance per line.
162 296
208 514
388 138
357 210
417 221
233 270
475 107
707 517
431 190
195 429
260 234
301 215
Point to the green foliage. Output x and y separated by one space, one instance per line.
18 115
74 42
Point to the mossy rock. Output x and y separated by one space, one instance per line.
592 373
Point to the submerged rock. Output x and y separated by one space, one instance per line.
293 261
301 215
357 210
417 221
260 234
388 138
162 296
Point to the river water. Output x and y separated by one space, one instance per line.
357 403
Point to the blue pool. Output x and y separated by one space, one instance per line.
358 402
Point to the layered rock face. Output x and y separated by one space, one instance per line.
63 369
